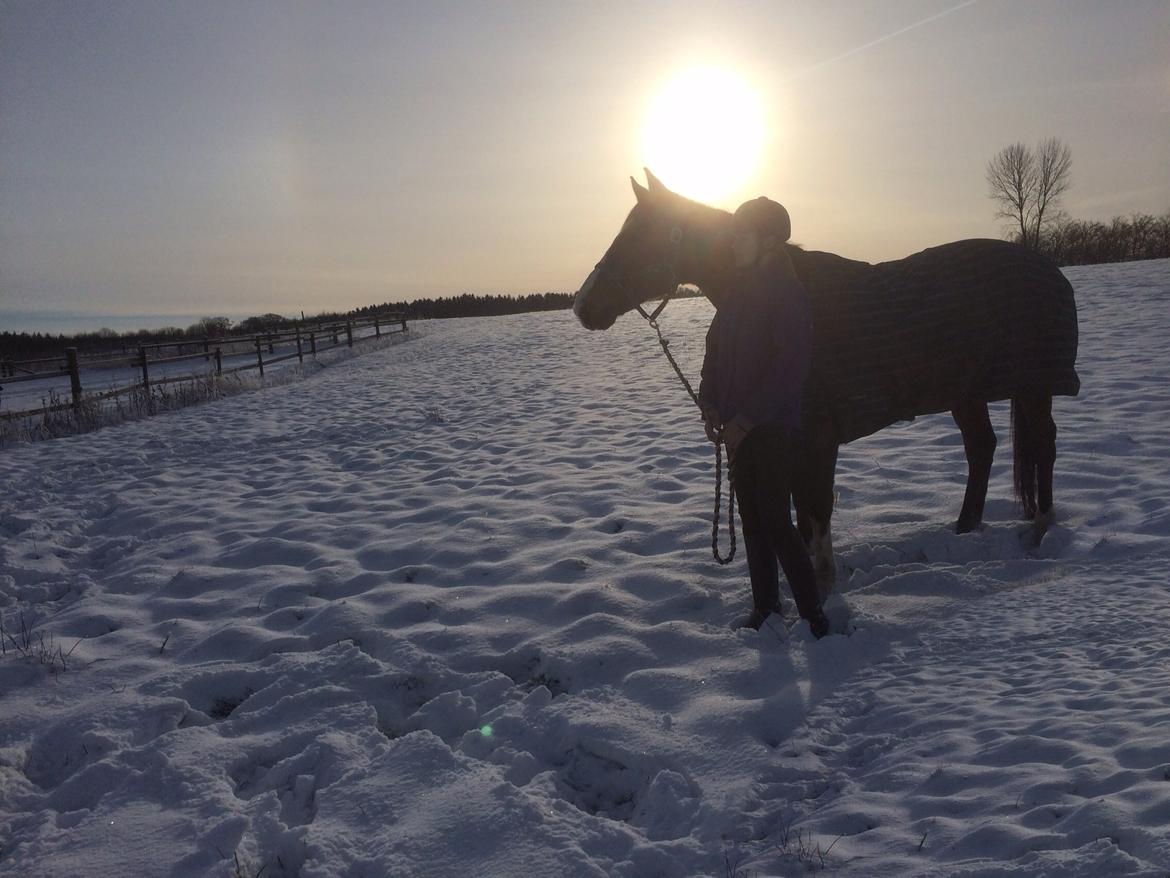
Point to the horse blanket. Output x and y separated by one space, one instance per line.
972 320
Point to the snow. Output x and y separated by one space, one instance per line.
448 609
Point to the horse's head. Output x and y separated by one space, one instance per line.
653 253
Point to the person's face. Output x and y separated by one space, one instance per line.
745 244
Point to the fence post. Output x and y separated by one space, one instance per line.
142 361
218 361
259 356
74 378
349 332
335 333
207 350
270 350
313 343
377 328
300 354
146 378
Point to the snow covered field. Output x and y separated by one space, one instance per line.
448 609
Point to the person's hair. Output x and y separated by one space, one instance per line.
766 216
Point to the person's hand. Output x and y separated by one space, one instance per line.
735 431
712 424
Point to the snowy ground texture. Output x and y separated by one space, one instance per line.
448 609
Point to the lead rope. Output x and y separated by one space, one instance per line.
719 443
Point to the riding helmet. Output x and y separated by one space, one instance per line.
768 217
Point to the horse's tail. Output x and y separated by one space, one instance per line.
1025 463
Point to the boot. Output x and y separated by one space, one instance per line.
756 617
818 623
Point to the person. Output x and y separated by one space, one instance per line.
758 352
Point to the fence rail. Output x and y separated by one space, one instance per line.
334 328
309 342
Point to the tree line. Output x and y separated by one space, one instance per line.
469 305
1124 239
1027 186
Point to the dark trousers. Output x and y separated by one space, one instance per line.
762 475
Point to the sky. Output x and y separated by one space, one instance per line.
162 161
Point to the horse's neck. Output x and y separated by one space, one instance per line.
710 267
715 286
716 290
817 270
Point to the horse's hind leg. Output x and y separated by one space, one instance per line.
979 443
1036 432
1045 454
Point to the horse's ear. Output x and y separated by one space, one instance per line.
655 183
640 191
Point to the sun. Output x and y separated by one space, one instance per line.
704 133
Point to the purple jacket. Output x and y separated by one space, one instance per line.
758 350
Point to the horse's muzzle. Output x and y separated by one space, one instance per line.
588 305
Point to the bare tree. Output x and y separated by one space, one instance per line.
1027 186
1053 160
1011 176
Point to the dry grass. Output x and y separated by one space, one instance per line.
37 647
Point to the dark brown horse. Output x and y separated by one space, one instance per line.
949 329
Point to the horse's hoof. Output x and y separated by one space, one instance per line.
1040 525
966 527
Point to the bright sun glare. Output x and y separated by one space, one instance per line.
704 133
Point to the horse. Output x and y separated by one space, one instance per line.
951 328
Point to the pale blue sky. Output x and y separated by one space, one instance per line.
192 158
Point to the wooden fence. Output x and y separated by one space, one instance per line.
309 341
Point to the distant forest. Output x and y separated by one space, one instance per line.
468 305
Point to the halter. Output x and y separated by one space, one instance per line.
676 236
669 264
